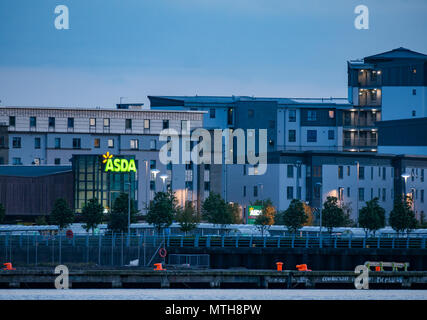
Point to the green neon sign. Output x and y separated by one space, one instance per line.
118 165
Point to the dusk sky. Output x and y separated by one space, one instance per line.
135 48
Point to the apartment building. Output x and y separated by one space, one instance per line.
313 176
41 136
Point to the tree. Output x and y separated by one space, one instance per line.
332 214
61 214
2 213
402 218
295 216
422 223
118 218
372 216
162 210
93 214
215 210
187 217
266 218
309 213
348 222
41 221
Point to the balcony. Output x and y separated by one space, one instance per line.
369 78
360 142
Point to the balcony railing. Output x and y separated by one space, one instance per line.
355 142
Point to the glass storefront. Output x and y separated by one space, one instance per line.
92 181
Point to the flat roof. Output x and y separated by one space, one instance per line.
32 171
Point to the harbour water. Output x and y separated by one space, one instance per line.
210 294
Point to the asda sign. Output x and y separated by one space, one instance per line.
118 165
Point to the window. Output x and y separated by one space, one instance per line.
147 124
57 143
2 144
184 125
292 135
57 161
153 185
12 121
289 193
152 164
70 122
422 175
134 144
16 161
1 160
207 186
244 191
348 171
251 113
331 114
422 195
372 173
230 116
77 143
169 166
331 134
97 143
341 194
37 143
361 194
152 144
165 124
311 135
255 191
348 192
189 166
207 166
16 142
290 173
414 92
292 116
51 122
106 122
414 113
33 122
212 113
384 172
110 143
244 169
384 195
128 124
311 115
317 171
361 173
189 185
372 193
340 172
92 122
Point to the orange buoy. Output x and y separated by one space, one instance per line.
8 266
158 266
279 266
302 267
377 268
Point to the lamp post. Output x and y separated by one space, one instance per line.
357 189
320 207
413 192
405 176
298 166
128 183
164 177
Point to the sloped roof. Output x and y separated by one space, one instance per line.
399 53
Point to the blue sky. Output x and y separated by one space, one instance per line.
133 48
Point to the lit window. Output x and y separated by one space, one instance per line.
106 122
97 143
146 124
110 143
134 143
331 114
92 122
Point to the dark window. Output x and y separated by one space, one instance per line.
57 143
311 116
311 135
255 191
361 173
189 185
207 166
77 143
317 171
207 186
212 113
289 193
70 122
361 194
16 142
384 195
244 169
331 134
12 121
189 166
414 92
384 172
152 164
128 123
244 191
51 122
37 143
414 113
153 185
169 166
340 172
57 161
165 124
33 122
372 173
292 135
230 116
292 115
348 192
290 172
422 195
2 142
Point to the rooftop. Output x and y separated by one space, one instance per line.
32 171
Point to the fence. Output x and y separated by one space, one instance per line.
120 249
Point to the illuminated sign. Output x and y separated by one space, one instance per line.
253 213
118 165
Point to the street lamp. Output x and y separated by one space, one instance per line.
405 176
298 166
164 177
357 190
320 208
128 183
